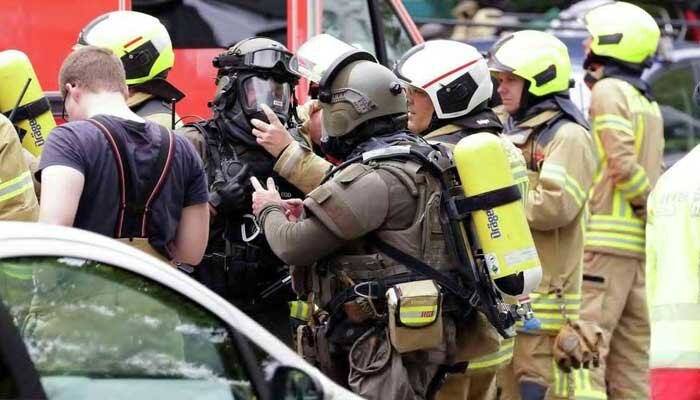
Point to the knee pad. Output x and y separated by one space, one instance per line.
530 390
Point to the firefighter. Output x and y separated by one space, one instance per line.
238 264
533 70
445 117
672 281
628 134
144 47
17 198
17 203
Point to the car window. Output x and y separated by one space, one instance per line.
673 89
92 329
350 22
395 35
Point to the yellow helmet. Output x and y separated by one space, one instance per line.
139 40
622 31
539 58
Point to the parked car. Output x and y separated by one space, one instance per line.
83 316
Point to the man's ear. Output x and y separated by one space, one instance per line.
72 91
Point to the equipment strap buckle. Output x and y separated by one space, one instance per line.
244 234
474 299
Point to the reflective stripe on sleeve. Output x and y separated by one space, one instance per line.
558 173
636 185
612 122
16 186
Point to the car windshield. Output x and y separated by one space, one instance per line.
94 328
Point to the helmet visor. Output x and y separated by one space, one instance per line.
257 91
316 55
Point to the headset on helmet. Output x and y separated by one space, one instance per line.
139 40
454 74
622 32
539 58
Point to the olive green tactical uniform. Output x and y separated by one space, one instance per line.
403 210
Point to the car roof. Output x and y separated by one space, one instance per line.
23 239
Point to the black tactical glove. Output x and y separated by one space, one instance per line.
232 196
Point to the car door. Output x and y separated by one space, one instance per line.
18 378
94 330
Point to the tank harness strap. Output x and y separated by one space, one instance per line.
417 266
459 206
30 110
135 201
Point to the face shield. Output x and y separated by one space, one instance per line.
256 91
321 58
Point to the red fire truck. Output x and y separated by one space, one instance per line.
200 29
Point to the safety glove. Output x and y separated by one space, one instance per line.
576 345
232 195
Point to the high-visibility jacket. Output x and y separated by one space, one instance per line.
673 266
560 162
17 198
628 133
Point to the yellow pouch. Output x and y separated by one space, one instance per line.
415 316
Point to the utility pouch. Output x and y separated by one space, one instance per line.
415 315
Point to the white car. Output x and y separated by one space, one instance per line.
83 316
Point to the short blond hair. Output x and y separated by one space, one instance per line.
95 69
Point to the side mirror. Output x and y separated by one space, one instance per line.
290 383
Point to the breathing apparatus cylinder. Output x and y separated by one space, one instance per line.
32 118
501 229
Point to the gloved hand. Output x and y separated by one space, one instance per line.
576 345
232 195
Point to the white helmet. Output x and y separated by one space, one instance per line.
454 74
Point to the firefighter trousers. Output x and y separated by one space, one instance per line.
533 374
469 386
614 296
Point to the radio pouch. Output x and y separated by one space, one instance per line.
415 315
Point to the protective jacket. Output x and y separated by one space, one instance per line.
17 198
485 357
629 142
559 157
153 109
673 267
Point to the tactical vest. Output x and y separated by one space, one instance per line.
237 239
423 250
423 239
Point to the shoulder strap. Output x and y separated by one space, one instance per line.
135 201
